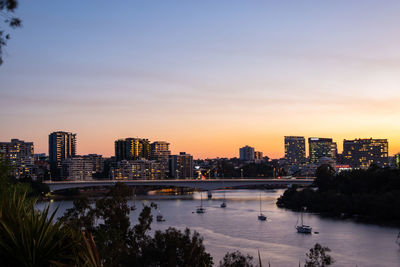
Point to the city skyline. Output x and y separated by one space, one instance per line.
237 155
208 77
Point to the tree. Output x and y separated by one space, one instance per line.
236 259
120 244
175 248
31 238
318 257
7 7
324 177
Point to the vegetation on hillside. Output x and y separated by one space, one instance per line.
371 195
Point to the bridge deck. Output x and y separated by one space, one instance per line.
209 184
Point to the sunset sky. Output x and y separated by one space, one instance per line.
207 76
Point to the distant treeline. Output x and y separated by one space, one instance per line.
371 195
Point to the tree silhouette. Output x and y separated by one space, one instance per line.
7 8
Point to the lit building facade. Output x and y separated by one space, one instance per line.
62 145
181 166
295 150
321 147
132 149
77 168
361 153
138 170
246 153
159 151
396 161
20 155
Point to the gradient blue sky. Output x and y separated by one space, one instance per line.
207 76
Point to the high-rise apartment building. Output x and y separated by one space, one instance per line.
159 150
20 155
246 153
295 150
321 147
62 145
132 149
361 153
181 166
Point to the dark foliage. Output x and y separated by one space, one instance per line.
119 244
7 7
236 259
318 257
372 195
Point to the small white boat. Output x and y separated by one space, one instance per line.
302 228
261 216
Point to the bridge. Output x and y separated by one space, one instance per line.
207 185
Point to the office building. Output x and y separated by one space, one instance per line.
181 166
138 170
62 145
361 153
246 153
77 168
295 150
132 149
321 147
20 155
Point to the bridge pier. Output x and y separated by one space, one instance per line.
209 194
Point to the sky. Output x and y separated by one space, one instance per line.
207 76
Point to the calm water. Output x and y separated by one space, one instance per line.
237 227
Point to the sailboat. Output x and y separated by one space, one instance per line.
223 204
261 216
302 228
159 217
200 208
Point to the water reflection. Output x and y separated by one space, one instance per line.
237 227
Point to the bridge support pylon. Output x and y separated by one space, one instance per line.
209 194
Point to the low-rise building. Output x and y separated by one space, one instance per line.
19 154
77 169
138 170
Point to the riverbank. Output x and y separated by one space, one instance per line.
369 196
237 227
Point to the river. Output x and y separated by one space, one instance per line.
236 228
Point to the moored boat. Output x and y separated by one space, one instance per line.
302 228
